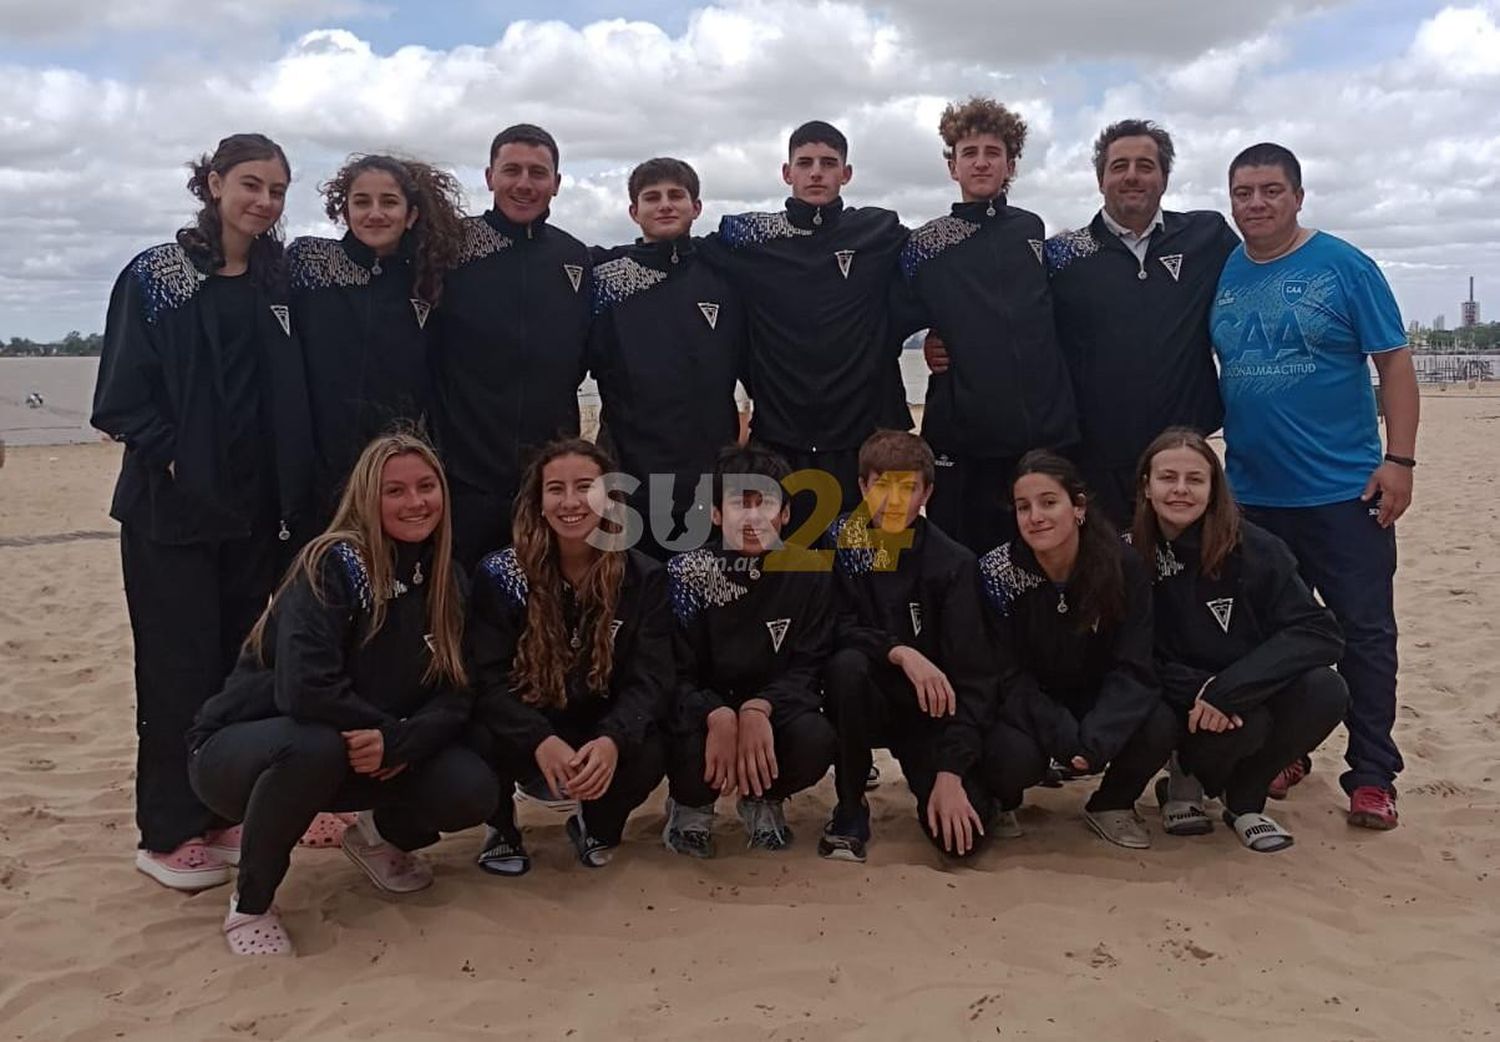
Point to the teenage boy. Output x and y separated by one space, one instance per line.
755 630
510 347
978 282
816 278
666 348
912 672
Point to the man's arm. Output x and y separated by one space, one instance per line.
1403 406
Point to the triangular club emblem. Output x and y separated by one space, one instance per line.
1223 608
423 309
283 316
1036 248
614 628
1173 263
845 259
575 275
710 313
916 618
778 628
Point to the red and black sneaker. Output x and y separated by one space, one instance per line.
1290 775
1372 807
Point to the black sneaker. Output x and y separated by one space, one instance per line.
845 836
503 854
765 824
689 830
594 853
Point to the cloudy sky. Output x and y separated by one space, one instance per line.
1393 106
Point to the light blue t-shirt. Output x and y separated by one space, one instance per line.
1292 336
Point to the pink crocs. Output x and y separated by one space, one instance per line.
225 843
256 934
192 866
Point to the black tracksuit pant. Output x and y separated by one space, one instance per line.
971 501
190 607
1239 765
1014 761
276 775
842 465
874 706
805 748
637 774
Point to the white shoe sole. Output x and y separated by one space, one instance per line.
177 879
355 855
228 855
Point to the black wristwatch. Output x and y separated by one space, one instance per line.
1405 461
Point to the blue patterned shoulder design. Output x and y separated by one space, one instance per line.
315 263
696 581
480 240
503 570
1064 248
1004 580
167 278
356 575
618 280
933 238
739 230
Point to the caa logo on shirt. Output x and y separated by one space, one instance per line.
1293 290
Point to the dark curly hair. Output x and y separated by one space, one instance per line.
204 238
981 115
437 235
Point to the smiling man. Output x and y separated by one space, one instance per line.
513 328
666 347
1132 292
1298 319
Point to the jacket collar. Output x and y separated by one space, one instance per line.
511 230
980 210
806 215
365 257
665 254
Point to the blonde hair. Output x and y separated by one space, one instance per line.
544 654
356 521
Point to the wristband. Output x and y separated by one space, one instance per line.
1405 461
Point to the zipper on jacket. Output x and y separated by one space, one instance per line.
818 216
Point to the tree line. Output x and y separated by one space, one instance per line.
74 345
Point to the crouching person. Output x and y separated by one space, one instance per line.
1244 652
754 631
912 673
1070 604
350 695
572 652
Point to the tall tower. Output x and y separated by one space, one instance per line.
1469 309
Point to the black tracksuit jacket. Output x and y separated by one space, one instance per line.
666 348
640 679
510 344
926 597
320 668
1135 334
824 356
747 631
1252 629
1077 692
160 390
363 333
977 278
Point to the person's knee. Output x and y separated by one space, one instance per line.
1325 695
805 747
1161 729
846 679
465 790
646 763
313 747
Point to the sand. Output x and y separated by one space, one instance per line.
1350 935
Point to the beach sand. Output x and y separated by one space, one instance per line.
1350 935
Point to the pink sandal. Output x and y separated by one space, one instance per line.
260 934
326 830
225 843
192 866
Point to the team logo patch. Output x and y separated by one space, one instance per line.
614 628
1036 248
1293 290
710 313
575 275
430 641
845 259
1223 608
1173 263
916 618
283 316
423 309
778 628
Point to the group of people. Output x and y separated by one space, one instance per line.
377 584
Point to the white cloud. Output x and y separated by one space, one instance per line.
29 20
1400 156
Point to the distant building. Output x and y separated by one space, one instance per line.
1469 309
1440 323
